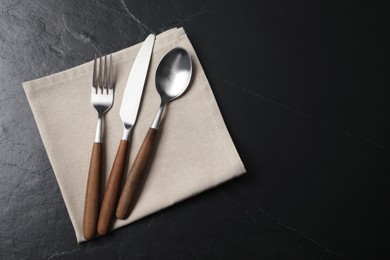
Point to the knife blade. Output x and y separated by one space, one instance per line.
135 85
128 113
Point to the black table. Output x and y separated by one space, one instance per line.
304 91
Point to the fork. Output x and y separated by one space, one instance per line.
101 98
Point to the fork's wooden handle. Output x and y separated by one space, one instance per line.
91 206
137 176
111 194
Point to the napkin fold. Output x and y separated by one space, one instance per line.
194 151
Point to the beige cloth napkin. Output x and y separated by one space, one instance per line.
194 152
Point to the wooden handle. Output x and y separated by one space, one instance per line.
111 194
91 206
137 176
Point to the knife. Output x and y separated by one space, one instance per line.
128 113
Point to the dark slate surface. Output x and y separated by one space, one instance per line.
304 91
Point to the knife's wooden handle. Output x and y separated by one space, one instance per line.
91 204
112 192
137 176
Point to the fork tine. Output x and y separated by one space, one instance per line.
105 81
100 74
94 75
111 73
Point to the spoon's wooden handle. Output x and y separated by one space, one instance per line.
111 194
137 176
91 205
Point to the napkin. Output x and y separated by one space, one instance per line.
194 151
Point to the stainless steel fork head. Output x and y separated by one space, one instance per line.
102 95
102 85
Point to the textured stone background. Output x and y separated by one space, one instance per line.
304 91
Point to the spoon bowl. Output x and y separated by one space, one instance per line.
173 74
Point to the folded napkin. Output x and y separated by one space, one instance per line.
194 152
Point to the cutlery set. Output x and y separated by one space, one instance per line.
173 76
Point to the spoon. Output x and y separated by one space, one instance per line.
173 76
